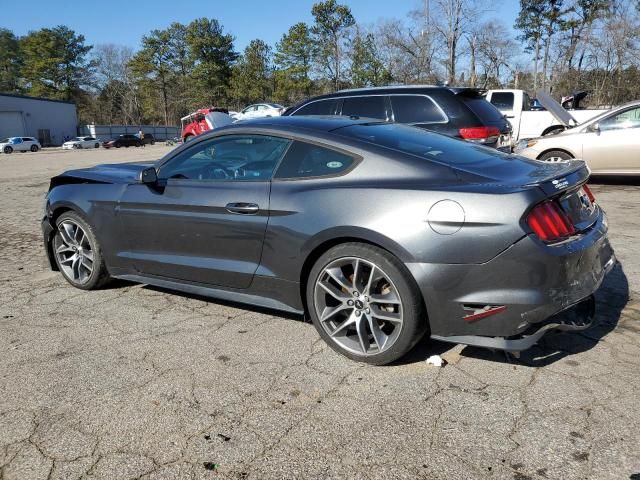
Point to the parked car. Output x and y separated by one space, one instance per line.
125 140
19 144
198 122
81 142
365 225
456 112
529 120
149 139
609 143
259 110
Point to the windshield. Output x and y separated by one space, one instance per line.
421 143
275 105
4 140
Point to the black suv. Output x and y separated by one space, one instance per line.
457 112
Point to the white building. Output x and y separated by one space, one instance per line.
50 121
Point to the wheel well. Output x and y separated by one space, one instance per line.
552 129
319 250
556 150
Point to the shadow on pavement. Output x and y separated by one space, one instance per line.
611 298
227 303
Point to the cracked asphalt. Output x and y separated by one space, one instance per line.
137 382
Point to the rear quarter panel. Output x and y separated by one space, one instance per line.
306 214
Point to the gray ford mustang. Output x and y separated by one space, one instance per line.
379 232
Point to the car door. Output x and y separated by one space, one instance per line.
205 220
18 144
613 144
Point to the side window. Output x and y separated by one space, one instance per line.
416 109
321 107
308 160
627 119
367 106
526 102
503 100
27 139
234 157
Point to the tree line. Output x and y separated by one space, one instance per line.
560 46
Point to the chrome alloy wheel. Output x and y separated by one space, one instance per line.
358 306
74 252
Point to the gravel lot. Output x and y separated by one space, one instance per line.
135 382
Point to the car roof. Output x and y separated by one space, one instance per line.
397 89
316 122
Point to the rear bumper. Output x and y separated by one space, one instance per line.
534 281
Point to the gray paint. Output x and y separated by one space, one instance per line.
38 113
180 233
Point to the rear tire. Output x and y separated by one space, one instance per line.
78 253
365 304
555 156
97 145
34 148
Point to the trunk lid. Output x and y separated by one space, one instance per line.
560 181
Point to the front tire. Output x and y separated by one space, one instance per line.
555 156
8 149
365 304
78 254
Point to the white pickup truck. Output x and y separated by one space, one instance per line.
533 123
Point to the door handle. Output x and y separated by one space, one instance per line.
243 208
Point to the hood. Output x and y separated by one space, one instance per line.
553 107
110 173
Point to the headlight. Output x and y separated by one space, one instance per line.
524 144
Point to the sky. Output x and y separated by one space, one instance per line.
125 22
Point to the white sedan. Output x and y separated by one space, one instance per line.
19 144
81 142
258 110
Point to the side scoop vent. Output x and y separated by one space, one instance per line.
476 311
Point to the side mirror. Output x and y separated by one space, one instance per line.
595 128
149 176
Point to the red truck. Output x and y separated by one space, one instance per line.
197 122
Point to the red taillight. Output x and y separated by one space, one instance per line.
589 193
549 222
480 134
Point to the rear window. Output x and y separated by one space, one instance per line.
418 142
416 109
483 109
370 107
321 107
308 160
502 100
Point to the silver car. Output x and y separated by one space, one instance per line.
608 143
